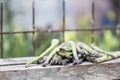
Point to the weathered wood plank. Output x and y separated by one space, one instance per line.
15 61
86 71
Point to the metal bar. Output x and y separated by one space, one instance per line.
63 28
93 23
88 30
1 30
33 31
33 27
119 38
118 25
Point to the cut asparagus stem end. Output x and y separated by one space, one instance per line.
55 42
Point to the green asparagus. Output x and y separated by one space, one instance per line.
54 43
101 51
74 51
106 57
50 56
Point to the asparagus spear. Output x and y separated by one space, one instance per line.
54 43
90 59
74 51
84 47
101 51
56 60
81 52
65 54
65 49
106 57
52 62
57 49
65 61
80 61
80 56
96 54
42 61
88 51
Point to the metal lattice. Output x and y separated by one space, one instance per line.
92 29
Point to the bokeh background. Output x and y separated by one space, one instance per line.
17 16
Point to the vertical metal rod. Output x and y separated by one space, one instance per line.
118 24
93 17
1 30
63 27
33 27
119 38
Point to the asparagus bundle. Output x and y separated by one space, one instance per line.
72 53
54 43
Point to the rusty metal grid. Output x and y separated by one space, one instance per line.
92 29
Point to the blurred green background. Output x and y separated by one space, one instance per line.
20 45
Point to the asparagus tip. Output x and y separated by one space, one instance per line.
64 62
44 65
77 61
52 62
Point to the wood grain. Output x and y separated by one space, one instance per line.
14 69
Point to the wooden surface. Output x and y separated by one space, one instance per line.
14 69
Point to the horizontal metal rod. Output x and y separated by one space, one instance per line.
90 29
